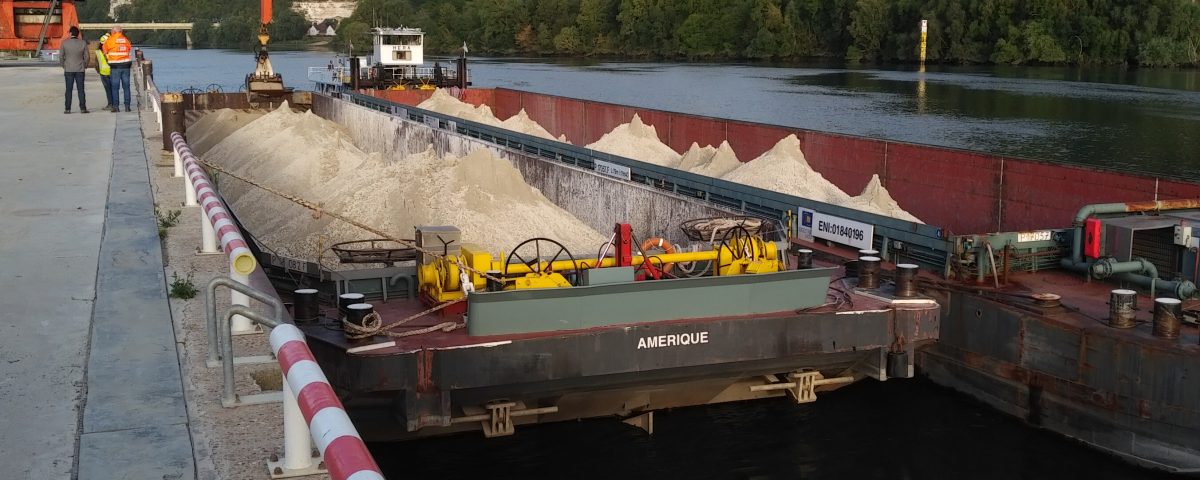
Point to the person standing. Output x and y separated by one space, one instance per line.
73 56
118 50
103 69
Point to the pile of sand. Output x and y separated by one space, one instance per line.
210 129
783 169
303 154
444 103
875 198
638 141
709 161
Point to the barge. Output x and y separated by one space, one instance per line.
1028 314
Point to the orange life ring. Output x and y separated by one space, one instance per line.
662 243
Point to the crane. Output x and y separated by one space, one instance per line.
264 81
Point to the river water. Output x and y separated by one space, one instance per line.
897 430
1142 121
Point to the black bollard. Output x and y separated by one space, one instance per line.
868 272
1121 304
305 308
1168 315
906 280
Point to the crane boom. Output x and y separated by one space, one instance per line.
265 11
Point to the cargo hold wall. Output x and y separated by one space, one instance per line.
598 201
962 191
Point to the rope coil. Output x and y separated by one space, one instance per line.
373 325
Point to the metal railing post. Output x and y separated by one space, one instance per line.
208 235
241 324
215 340
189 193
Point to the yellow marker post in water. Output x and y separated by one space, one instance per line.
924 35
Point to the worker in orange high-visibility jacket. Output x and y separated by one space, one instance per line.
118 50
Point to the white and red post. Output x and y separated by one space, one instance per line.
307 391
217 225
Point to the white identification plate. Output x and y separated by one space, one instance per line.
837 229
612 169
1039 236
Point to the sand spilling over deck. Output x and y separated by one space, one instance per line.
638 141
444 103
308 156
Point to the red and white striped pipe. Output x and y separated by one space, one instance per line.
241 260
345 454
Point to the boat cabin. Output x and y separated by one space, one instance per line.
398 47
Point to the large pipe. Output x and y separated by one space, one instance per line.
1127 207
1183 289
1140 272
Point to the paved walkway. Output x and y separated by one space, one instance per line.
89 375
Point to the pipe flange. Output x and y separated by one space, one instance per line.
1103 268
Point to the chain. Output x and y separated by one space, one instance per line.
321 211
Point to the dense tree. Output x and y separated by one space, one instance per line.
1133 32
236 21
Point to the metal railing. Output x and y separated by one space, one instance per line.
312 412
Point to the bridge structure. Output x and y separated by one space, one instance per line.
186 27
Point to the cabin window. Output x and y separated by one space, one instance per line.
402 40
402 55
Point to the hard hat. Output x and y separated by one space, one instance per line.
104 37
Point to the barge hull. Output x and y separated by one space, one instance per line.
1112 389
428 387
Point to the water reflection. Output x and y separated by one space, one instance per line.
1132 120
872 430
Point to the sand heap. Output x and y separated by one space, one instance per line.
638 141
444 103
303 154
709 161
210 129
875 198
783 169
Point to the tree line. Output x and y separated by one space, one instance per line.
1132 32
236 21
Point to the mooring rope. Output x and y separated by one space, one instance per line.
373 325
322 211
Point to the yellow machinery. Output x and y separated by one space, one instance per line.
441 278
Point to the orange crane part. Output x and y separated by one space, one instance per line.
21 24
265 12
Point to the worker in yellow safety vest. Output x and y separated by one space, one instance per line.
119 52
103 69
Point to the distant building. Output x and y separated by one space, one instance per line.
323 29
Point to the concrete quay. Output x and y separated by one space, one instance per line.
101 374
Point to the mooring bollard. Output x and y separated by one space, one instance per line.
171 117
